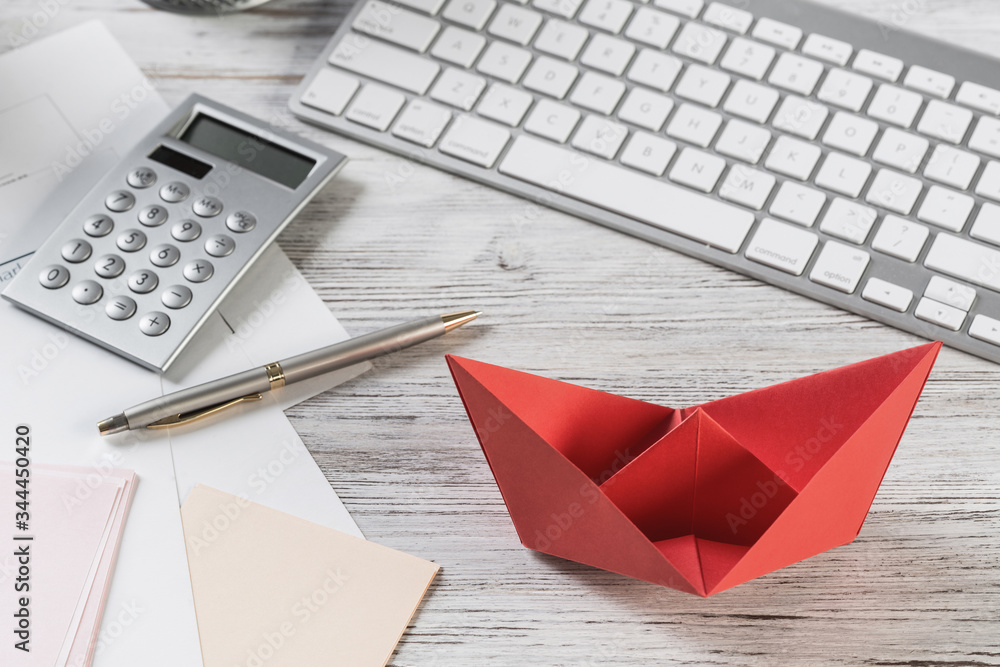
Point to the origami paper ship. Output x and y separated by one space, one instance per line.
697 499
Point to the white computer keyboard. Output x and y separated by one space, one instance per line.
815 150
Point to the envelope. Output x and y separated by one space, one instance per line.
697 499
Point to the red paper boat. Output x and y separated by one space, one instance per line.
698 499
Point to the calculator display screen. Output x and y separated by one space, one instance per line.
248 150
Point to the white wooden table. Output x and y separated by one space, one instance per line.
391 240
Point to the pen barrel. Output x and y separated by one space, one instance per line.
253 381
363 348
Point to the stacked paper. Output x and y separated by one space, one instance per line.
62 556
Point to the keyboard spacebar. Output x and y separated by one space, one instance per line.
628 193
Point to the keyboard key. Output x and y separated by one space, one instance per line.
197 271
848 220
473 140
952 167
795 73
376 107
384 63
694 125
145 281
154 323
76 251
120 201
652 27
165 255
928 81
598 93
470 13
688 8
945 121
120 307
878 64
458 88
552 120
608 15
703 85
608 54
747 186
427 6
697 169
941 314
800 117
901 150
422 122
850 133
628 193
845 89
699 42
176 296
900 238
561 39
550 76
53 276
98 225
600 136
797 203
646 109
505 104
728 17
748 58
649 153
743 141
515 24
458 46
987 225
966 260
828 49
751 101
949 292
654 69
782 246
887 294
979 97
986 137
777 33
504 62
895 105
986 329
989 182
330 91
565 8
792 157
840 267
217 245
842 174
396 25
894 191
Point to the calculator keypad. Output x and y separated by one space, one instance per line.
143 177
109 266
207 207
87 292
119 201
199 271
154 323
54 276
176 296
120 307
153 216
186 230
131 240
98 226
174 192
143 282
164 255
76 251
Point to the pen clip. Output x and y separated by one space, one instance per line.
187 417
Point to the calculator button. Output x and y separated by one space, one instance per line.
98 225
53 276
131 240
186 230
120 200
241 221
198 271
76 251
109 266
219 245
174 192
164 255
176 296
120 308
143 282
153 216
207 207
141 177
87 292
154 323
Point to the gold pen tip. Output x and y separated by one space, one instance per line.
453 321
115 424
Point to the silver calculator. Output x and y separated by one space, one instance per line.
145 258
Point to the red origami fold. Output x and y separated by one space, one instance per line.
698 499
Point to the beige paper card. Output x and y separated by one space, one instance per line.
273 590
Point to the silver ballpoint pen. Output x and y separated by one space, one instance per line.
187 405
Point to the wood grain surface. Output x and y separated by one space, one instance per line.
391 240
